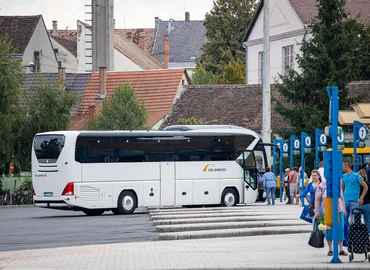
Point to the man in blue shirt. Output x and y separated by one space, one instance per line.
269 182
351 182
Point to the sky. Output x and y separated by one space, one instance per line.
127 13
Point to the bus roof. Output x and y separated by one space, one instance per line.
215 130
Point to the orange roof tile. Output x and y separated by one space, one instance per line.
157 88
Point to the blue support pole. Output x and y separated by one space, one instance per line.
336 167
281 142
275 142
303 136
317 140
291 141
356 124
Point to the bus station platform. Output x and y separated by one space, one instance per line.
273 251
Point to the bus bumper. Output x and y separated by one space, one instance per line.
54 203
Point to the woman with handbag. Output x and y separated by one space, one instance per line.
310 192
320 194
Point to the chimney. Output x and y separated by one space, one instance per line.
187 16
156 22
61 74
92 111
55 27
102 82
165 51
142 43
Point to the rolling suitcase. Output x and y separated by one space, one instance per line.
358 238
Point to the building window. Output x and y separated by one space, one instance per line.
260 68
288 59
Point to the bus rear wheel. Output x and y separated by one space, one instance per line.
127 203
229 197
93 212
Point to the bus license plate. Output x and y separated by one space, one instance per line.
48 194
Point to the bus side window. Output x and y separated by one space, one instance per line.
98 149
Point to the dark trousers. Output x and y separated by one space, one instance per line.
287 192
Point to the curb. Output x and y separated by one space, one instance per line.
235 232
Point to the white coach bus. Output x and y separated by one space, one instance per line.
97 171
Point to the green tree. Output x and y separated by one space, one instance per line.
11 77
330 57
190 121
122 111
226 24
201 77
46 107
234 72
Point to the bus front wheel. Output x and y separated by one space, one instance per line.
229 197
126 202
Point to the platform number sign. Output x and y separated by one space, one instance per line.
296 144
307 141
341 138
362 133
285 147
323 139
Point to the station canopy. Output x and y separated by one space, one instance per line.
360 112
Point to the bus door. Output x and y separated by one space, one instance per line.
250 177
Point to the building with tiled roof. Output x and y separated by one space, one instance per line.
239 105
156 88
65 47
185 39
31 42
135 58
289 25
74 82
143 37
127 54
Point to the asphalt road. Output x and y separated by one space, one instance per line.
30 227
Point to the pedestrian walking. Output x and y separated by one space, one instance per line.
269 182
293 176
366 204
286 185
320 194
310 190
351 182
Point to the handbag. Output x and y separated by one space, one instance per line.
264 195
311 210
316 239
305 215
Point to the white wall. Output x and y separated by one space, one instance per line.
123 63
40 42
286 29
83 55
68 60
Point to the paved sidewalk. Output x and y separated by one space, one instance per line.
253 252
282 251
